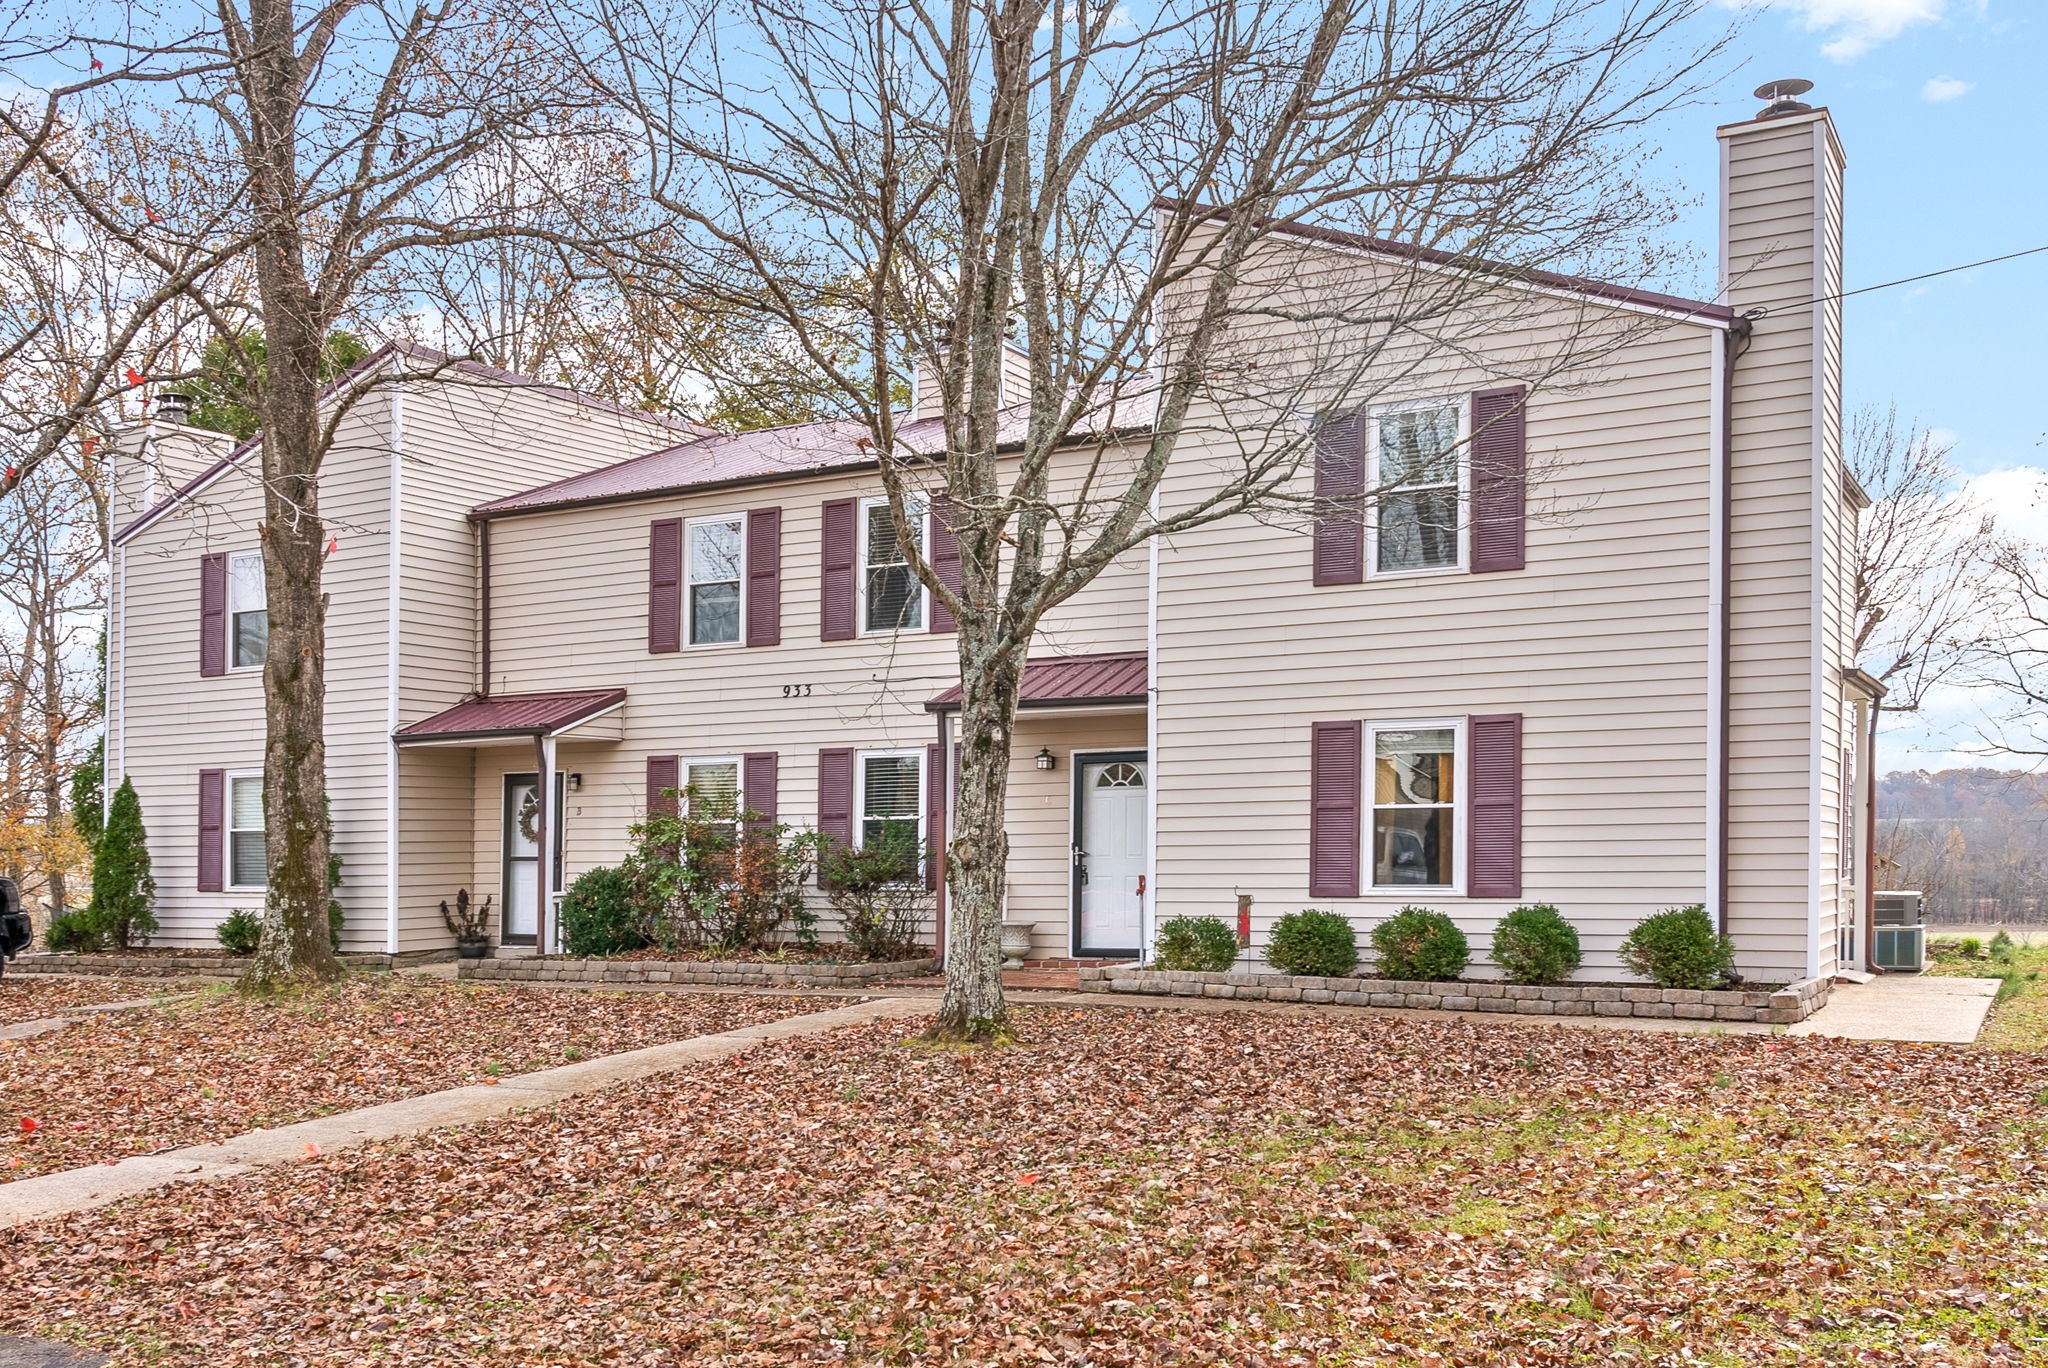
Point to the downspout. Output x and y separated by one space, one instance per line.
1869 860
943 836
1734 343
483 599
393 551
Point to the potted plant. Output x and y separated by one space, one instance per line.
471 924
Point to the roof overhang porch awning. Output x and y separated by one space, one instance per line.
592 714
1085 683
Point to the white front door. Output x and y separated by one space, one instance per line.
522 859
1109 856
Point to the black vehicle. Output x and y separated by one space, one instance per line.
15 932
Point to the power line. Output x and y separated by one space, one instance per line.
1907 280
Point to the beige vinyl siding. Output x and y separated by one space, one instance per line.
1600 644
1781 842
569 610
466 440
173 723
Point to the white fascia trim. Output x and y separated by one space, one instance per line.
392 550
579 722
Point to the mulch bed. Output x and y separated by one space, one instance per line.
1133 1188
31 997
205 1069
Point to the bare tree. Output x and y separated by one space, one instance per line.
1096 185
318 150
1922 552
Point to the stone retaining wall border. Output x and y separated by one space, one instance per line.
221 966
1779 1007
717 973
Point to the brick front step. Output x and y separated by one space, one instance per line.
1782 1007
715 974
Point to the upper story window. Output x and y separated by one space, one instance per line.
892 598
247 866
248 615
1417 455
1414 806
714 557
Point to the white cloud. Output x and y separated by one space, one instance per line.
1942 89
1854 27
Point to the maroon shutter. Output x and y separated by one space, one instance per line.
665 586
1500 467
1493 777
664 776
835 794
1340 511
837 543
1336 782
934 811
764 577
757 784
945 561
212 809
213 616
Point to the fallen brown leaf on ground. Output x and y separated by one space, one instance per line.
197 1070
31 997
1133 1188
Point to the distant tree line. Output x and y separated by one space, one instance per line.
1974 841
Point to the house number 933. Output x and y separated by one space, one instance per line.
796 691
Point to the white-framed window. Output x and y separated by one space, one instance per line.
1414 839
891 597
714 569
248 868
1417 465
889 786
248 612
714 783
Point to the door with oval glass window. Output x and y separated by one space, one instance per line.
1109 854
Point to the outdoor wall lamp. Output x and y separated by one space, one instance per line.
575 783
1045 758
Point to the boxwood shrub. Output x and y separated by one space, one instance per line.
1201 945
1535 944
1420 944
1679 948
240 932
598 917
1314 944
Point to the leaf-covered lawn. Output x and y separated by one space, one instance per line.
31 997
1134 1188
207 1068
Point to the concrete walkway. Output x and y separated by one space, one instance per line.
59 1194
1919 1007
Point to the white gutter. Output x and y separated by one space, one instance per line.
393 552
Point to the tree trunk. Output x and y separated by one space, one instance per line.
295 946
977 860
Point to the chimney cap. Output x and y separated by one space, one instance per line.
1783 97
174 406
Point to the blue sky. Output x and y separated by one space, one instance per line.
1942 106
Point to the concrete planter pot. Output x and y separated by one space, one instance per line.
1016 944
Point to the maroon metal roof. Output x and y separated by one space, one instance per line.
534 714
780 453
1073 681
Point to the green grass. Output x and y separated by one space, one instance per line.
2019 1016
